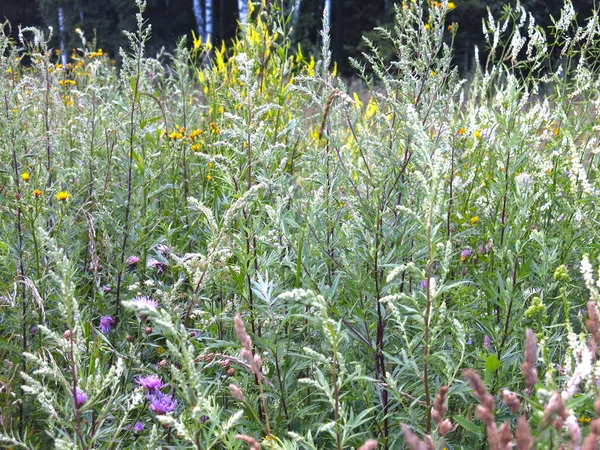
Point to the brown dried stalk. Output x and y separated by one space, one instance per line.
511 400
236 392
528 366
591 442
480 391
593 323
412 440
248 440
555 408
523 433
255 362
574 431
444 427
506 436
439 407
371 444
485 411
240 332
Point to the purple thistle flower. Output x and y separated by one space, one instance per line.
485 248
156 265
464 254
487 342
423 284
80 397
139 426
164 250
146 302
161 403
469 341
150 382
523 178
132 260
106 289
106 324
8 299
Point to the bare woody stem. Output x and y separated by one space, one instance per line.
129 176
74 394
426 319
21 268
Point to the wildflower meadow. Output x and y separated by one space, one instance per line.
233 247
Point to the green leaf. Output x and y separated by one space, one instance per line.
492 363
467 424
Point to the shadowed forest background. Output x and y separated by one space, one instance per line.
170 19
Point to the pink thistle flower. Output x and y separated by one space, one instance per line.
161 403
106 324
80 397
150 382
132 260
146 302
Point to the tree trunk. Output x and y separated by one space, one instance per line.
199 17
243 10
208 20
226 16
386 11
296 15
61 27
338 31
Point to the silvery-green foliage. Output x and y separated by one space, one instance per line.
375 242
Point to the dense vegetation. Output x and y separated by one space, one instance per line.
234 249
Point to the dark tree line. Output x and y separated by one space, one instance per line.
349 20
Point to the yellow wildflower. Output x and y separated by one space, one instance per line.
37 193
474 220
25 176
462 131
176 135
584 420
62 196
478 134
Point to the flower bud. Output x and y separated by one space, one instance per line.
444 427
236 392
